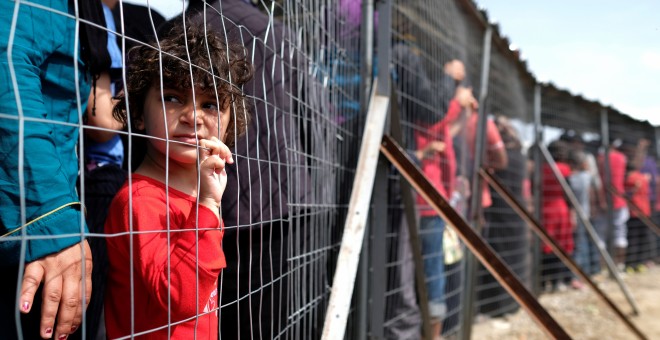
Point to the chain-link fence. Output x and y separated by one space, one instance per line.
104 103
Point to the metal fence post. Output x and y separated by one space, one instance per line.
607 174
410 215
475 204
362 290
378 252
536 183
366 52
366 75
384 9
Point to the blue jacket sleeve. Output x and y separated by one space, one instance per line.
37 54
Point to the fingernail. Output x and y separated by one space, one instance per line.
63 336
73 328
26 306
49 330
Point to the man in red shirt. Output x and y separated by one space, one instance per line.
495 152
638 189
433 140
620 212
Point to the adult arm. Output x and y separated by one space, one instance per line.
99 111
39 55
496 157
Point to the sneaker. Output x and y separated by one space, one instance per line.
641 268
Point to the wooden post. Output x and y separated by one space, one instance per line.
351 244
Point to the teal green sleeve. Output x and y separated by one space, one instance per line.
43 65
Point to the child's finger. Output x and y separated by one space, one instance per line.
213 162
218 148
225 153
210 146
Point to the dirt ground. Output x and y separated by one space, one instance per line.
584 315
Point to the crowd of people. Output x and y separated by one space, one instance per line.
441 120
204 110
625 173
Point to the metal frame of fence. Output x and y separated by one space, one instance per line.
344 255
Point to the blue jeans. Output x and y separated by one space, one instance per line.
582 249
431 232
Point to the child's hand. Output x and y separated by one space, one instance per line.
213 178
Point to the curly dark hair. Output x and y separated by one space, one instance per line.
209 55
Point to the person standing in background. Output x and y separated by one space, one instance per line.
103 150
617 238
580 181
556 218
42 70
638 190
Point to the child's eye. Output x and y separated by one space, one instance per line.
210 106
171 99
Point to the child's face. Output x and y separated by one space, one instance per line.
184 123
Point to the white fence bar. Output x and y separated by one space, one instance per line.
351 244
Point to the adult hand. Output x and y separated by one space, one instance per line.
430 150
465 97
61 274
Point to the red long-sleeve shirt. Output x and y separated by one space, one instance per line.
637 184
618 163
195 261
440 169
555 210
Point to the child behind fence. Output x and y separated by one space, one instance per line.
165 233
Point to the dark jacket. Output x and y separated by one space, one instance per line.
269 171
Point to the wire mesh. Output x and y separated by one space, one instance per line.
288 191
427 38
510 107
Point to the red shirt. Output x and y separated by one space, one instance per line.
440 169
637 183
617 173
493 142
556 214
190 298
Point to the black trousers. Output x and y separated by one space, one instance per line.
29 322
641 242
553 270
101 186
253 286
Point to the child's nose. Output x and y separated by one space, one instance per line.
191 115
